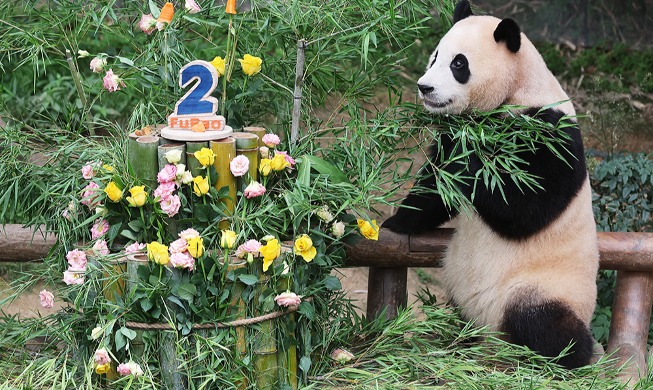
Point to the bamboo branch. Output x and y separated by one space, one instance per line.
297 95
80 91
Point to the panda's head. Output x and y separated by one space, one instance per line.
475 65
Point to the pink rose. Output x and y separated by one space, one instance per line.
250 246
87 171
112 82
289 159
100 248
99 229
182 260
170 205
178 246
164 190
90 195
167 174
135 247
147 24
101 357
47 299
192 7
130 368
239 166
73 277
288 299
123 369
254 189
271 140
189 234
76 260
98 64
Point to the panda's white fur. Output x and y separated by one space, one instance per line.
542 286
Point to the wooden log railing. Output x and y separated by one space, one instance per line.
630 254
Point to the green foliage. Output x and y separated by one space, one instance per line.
622 203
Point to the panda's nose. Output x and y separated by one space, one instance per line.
425 88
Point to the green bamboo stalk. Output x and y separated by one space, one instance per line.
134 260
225 151
171 377
80 91
287 354
238 312
192 164
264 346
143 159
247 145
114 280
259 131
165 148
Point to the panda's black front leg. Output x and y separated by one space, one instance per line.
422 210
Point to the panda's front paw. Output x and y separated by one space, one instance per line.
402 223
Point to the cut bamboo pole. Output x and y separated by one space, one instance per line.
287 354
264 345
143 159
114 279
247 145
192 164
225 151
238 312
297 95
171 377
259 131
163 149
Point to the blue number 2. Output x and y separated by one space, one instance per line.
198 99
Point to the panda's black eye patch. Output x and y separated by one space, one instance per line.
435 57
460 68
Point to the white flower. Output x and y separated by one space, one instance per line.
173 156
265 151
101 210
96 333
324 214
192 7
82 53
338 229
186 177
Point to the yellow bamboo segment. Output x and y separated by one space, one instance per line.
259 131
225 151
114 280
247 145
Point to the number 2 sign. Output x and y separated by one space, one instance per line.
194 117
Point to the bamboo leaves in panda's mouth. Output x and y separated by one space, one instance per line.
490 150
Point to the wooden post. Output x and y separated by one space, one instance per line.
631 316
386 290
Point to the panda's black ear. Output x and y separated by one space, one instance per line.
508 31
463 10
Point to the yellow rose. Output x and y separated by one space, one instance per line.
196 246
270 251
218 64
200 185
102 368
228 239
108 168
265 166
205 156
251 65
158 253
279 163
138 196
113 192
368 230
304 247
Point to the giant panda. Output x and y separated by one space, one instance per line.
525 266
